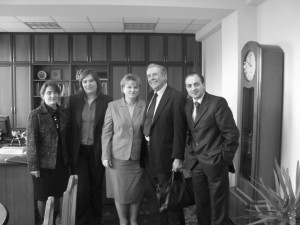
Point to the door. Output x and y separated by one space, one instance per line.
22 46
137 48
41 48
6 91
80 48
174 48
175 77
156 48
60 48
117 72
5 48
118 48
22 95
99 48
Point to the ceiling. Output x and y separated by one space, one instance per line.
165 16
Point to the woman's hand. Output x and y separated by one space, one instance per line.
107 163
35 173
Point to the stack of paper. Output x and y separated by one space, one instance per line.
13 150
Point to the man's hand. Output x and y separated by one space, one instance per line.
177 165
107 163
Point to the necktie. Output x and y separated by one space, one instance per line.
149 116
196 109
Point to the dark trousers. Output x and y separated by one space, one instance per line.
174 217
211 196
89 192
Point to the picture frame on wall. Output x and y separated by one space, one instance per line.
55 74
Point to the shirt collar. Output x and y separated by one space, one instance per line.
199 100
162 90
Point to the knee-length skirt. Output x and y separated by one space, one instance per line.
125 181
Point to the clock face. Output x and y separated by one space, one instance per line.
249 66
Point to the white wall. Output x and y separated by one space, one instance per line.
273 22
212 63
279 24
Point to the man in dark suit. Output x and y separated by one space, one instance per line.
165 131
212 142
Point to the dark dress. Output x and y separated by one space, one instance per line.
52 182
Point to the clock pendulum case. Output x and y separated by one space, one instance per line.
261 115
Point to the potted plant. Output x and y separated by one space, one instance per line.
281 206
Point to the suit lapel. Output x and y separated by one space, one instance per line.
189 108
78 110
99 106
123 111
137 111
202 109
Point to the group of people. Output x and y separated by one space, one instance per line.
129 139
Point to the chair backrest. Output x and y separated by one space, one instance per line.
49 211
69 202
3 215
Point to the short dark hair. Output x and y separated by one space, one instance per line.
195 74
49 84
95 76
129 77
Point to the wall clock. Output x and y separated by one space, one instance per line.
249 65
261 95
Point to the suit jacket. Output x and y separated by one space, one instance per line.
75 107
213 138
122 135
168 131
42 138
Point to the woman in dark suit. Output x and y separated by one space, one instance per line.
87 110
121 144
46 148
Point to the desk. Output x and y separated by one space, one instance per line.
3 214
16 192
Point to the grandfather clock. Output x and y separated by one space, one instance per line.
261 118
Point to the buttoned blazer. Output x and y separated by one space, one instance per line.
42 138
75 107
122 135
213 137
168 131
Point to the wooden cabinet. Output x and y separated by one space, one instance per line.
50 48
15 93
137 46
98 48
5 48
89 48
21 94
80 48
118 51
41 48
60 48
156 48
165 48
22 48
112 55
128 48
6 90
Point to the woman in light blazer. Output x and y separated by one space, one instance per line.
122 139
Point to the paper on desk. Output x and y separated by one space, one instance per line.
13 150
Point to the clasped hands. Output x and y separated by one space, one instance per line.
107 163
